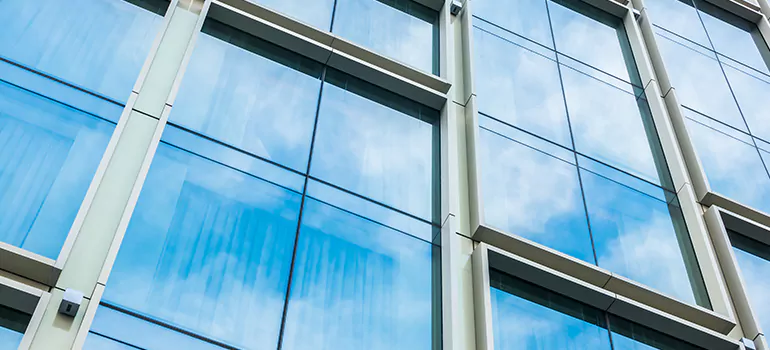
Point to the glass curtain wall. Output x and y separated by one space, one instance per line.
569 155
66 69
403 30
288 206
526 316
717 64
754 263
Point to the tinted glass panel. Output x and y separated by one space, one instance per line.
99 45
378 145
358 285
528 18
698 80
400 29
250 94
639 235
533 194
731 163
528 317
519 87
754 263
678 16
208 250
317 13
48 156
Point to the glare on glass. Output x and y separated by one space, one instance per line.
358 285
208 249
48 156
250 94
99 45
400 29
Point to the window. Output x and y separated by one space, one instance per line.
264 226
65 69
13 324
526 316
717 63
569 155
754 263
400 29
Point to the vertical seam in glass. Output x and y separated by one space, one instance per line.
571 135
299 217
331 23
609 328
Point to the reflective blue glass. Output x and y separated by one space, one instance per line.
698 79
751 89
208 249
640 235
317 13
731 162
48 156
378 145
528 317
680 17
611 125
734 37
115 330
533 194
400 29
528 18
358 285
754 263
592 36
519 87
84 42
250 94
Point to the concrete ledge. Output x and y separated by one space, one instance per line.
29 265
312 42
601 278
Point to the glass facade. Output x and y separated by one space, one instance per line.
526 316
287 205
754 263
404 30
13 324
717 63
569 155
65 70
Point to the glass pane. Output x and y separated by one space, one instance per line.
640 236
533 194
519 87
401 29
590 35
733 165
208 249
528 18
84 42
317 13
678 16
631 336
525 316
754 263
734 37
48 156
250 94
698 80
112 329
13 324
610 125
378 145
751 89
358 285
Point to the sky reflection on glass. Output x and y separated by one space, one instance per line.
734 37
358 285
755 270
251 95
382 149
519 87
680 17
401 29
528 18
751 90
48 156
317 13
208 249
83 42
